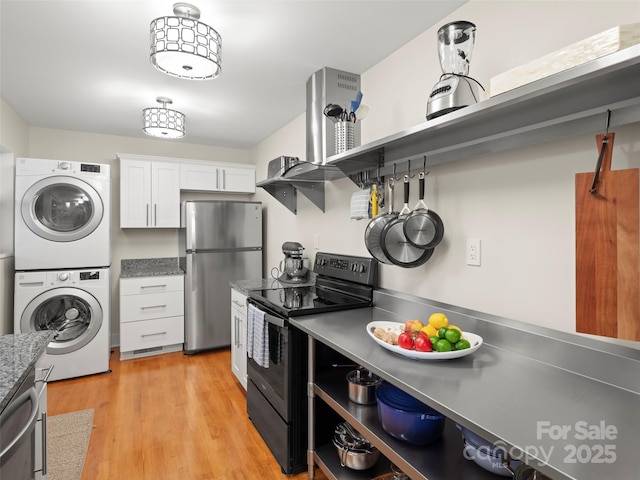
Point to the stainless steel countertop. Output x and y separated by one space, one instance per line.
520 376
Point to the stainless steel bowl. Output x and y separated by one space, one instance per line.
362 386
355 451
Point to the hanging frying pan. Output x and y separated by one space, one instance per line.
394 243
375 227
423 227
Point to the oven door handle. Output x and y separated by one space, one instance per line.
279 322
268 315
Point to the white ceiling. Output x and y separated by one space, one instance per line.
84 65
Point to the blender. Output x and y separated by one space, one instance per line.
455 89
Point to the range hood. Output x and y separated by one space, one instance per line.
288 175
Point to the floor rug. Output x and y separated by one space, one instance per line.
67 443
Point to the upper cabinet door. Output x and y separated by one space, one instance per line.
135 193
241 180
149 194
199 177
165 193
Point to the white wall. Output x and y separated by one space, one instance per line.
520 203
14 141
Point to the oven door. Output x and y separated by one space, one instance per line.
274 381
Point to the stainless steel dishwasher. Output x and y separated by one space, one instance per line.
17 432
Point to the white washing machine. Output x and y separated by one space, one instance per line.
62 214
76 305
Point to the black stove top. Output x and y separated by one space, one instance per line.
342 282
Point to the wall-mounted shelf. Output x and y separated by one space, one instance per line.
572 102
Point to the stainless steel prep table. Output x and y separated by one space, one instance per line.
522 375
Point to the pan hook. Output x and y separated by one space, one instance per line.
424 172
409 169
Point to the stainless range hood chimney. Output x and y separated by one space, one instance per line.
326 86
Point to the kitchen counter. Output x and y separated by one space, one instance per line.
244 286
566 404
149 267
18 354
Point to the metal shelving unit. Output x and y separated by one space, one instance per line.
443 459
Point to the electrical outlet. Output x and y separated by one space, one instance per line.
473 251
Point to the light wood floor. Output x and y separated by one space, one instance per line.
168 417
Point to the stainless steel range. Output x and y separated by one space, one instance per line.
276 390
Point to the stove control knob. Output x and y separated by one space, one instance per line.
63 277
362 268
321 261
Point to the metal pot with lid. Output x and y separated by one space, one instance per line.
355 451
362 386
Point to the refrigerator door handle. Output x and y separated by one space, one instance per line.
194 275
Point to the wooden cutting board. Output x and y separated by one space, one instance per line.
607 251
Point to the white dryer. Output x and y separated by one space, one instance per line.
62 214
76 305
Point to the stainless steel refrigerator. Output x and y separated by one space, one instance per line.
220 242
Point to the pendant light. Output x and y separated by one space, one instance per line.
184 47
163 122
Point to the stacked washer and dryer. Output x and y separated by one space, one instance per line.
62 261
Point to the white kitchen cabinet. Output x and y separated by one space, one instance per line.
151 315
218 177
239 336
149 194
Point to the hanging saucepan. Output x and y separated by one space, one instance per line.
394 243
423 227
376 225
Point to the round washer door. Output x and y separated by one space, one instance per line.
75 315
62 209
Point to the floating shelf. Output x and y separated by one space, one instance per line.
573 102
569 103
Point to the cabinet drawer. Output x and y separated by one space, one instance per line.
151 333
238 300
147 285
153 305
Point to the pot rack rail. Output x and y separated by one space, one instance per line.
574 102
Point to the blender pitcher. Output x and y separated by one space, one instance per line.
455 45
455 89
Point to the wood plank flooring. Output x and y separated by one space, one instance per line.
168 417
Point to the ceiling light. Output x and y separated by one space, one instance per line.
183 47
163 122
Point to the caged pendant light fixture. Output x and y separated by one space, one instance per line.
184 47
163 122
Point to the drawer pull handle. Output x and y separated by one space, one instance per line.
154 286
152 334
154 306
240 304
